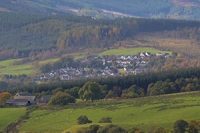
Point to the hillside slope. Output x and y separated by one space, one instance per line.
179 9
38 25
144 113
22 34
25 32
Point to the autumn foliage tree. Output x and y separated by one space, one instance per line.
4 96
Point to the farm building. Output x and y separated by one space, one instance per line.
22 99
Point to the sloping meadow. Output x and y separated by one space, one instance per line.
144 113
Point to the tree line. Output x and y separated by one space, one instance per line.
149 84
94 91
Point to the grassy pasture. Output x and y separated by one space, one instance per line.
47 61
132 51
9 115
9 67
141 112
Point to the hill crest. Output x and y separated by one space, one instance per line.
179 9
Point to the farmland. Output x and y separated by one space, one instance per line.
31 67
142 112
9 115
132 51
12 67
8 67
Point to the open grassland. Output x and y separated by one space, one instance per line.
9 67
132 51
18 67
13 67
141 112
9 115
47 61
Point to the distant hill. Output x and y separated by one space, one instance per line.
178 9
24 32
27 26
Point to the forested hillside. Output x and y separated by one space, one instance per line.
52 26
20 34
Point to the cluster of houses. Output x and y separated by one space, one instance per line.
26 99
96 66
103 66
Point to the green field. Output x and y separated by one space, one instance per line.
132 51
50 60
9 115
142 112
9 67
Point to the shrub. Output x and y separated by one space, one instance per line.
180 126
194 127
105 120
90 129
158 130
135 130
83 120
111 129
93 128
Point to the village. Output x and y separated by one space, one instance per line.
104 66
90 67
